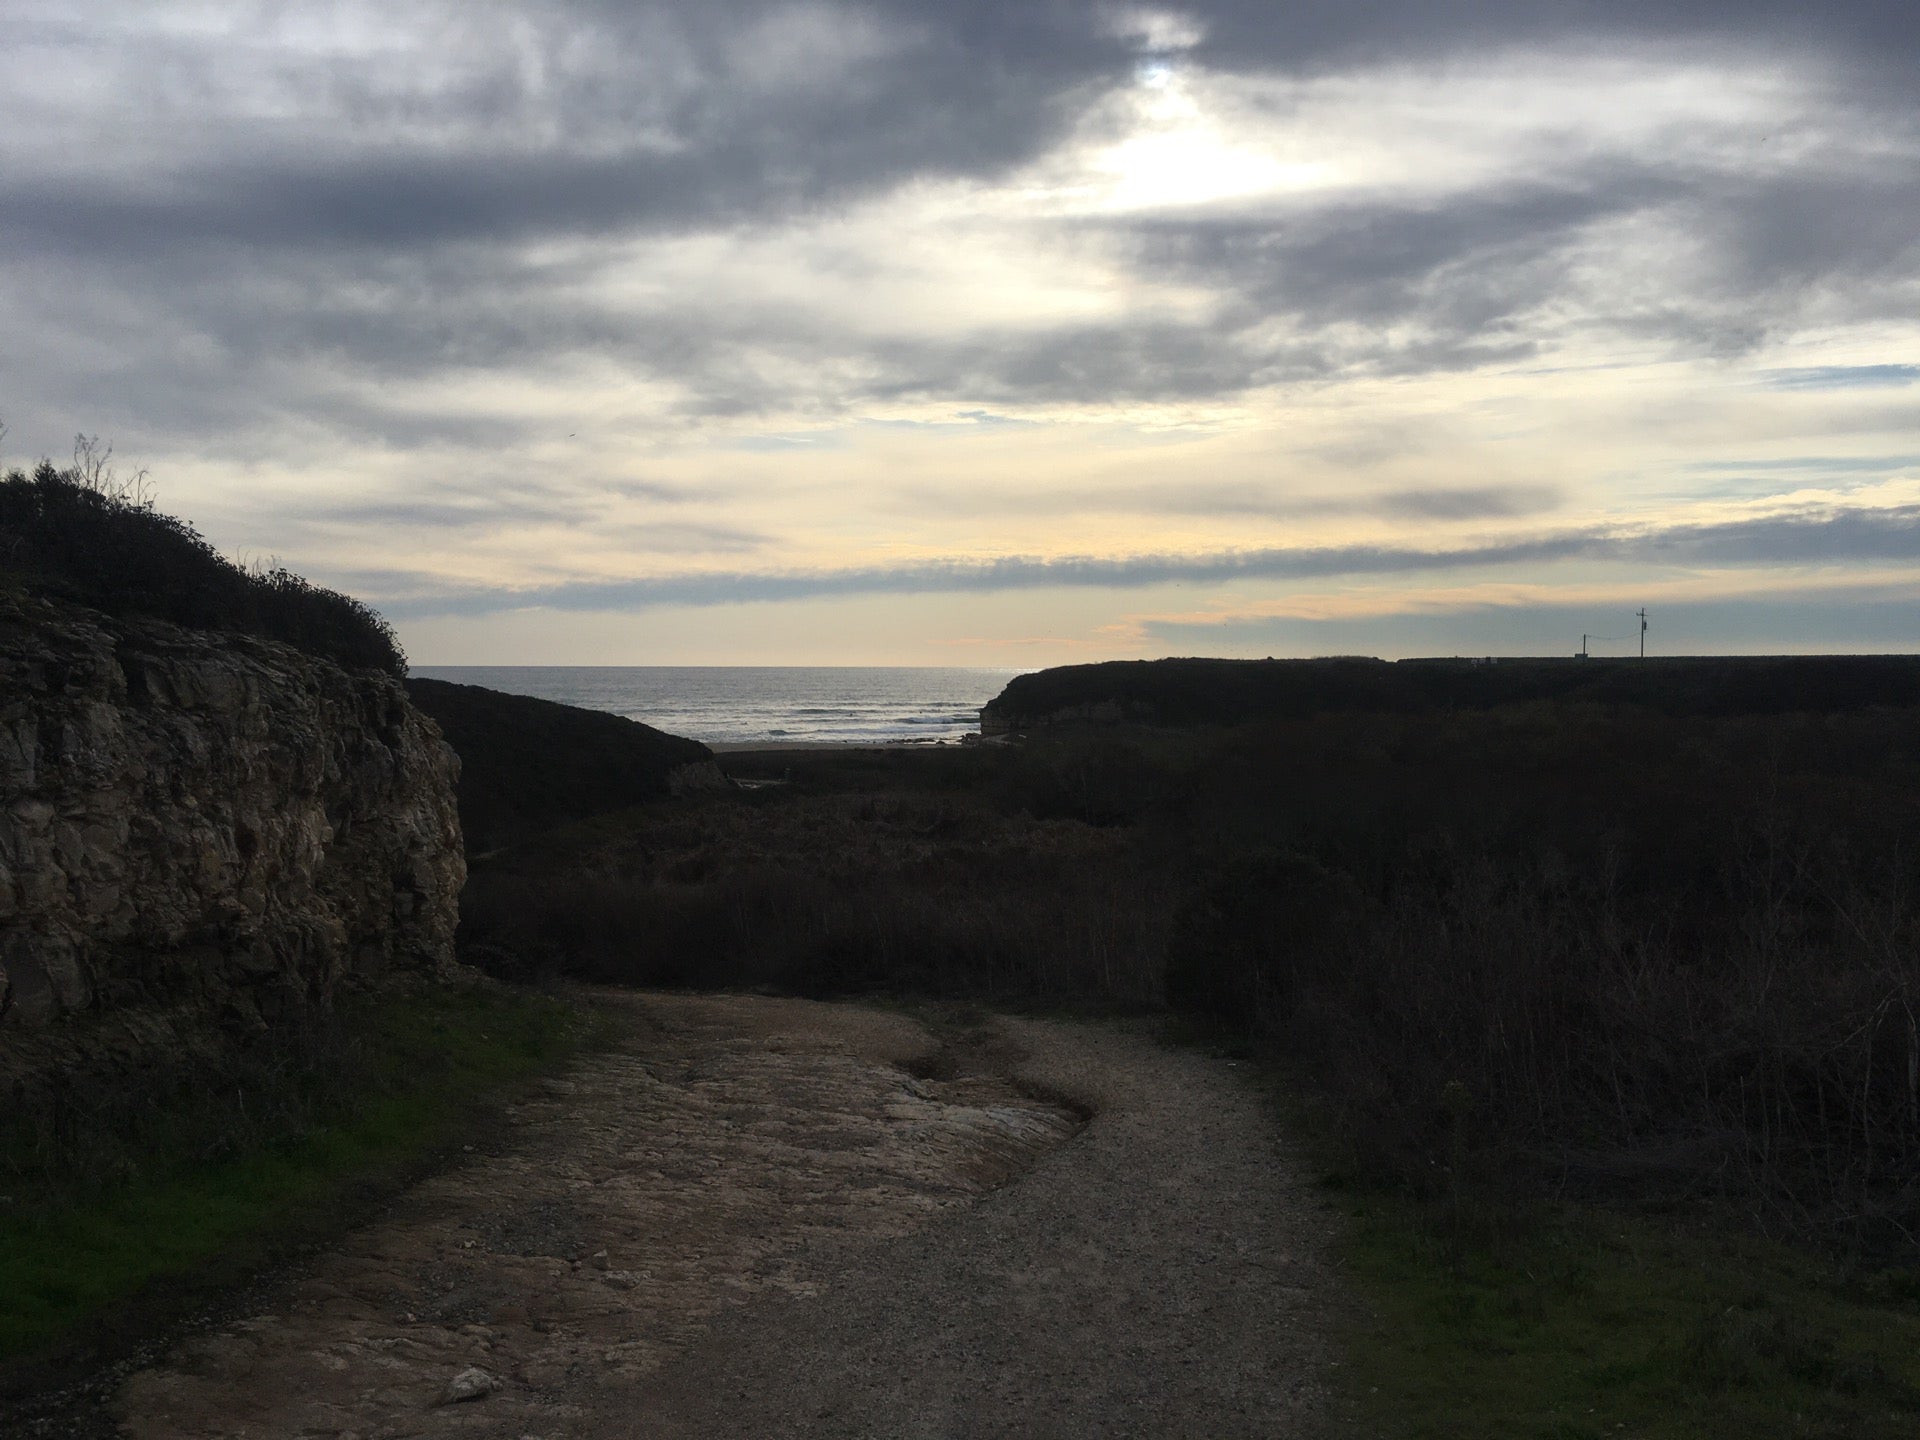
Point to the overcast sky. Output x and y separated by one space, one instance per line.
995 332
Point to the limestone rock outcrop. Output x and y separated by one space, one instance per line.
209 821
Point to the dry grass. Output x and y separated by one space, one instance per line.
828 895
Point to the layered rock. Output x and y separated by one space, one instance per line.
209 821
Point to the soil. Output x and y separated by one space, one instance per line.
769 1217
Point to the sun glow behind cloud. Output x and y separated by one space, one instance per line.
1175 154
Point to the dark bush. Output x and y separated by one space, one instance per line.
826 894
1243 941
1637 954
74 535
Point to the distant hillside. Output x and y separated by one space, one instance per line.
1186 692
528 764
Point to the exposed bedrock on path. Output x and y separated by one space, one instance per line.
730 1150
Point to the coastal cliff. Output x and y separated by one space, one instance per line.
212 824
1186 692
527 765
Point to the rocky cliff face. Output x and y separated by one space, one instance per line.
207 821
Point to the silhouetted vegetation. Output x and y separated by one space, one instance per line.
1627 954
527 764
82 535
880 886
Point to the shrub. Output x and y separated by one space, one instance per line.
1243 941
1633 954
81 535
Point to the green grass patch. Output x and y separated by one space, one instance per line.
1480 1318
84 1271
1576 1323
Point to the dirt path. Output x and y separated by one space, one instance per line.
769 1217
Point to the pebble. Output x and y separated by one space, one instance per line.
473 1383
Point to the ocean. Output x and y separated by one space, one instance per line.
749 704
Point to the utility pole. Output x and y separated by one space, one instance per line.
1643 632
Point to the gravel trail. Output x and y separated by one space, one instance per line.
1164 1274
766 1217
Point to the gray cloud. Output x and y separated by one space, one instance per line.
1844 239
1814 536
1877 38
1836 620
1490 276
1479 502
1468 502
1819 464
651 118
252 252
1377 260
1275 502
478 513
1811 537
649 537
1842 377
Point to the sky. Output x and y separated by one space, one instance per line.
993 332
